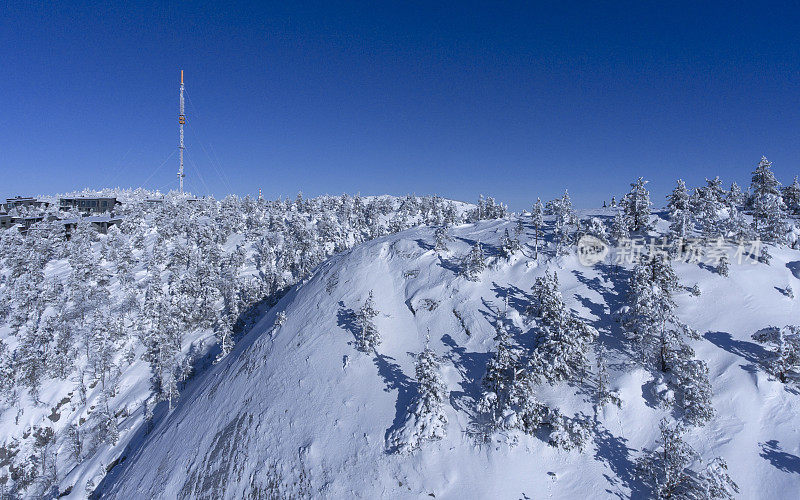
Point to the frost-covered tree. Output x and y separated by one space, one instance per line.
722 267
368 336
563 339
426 419
667 469
474 263
442 238
508 245
680 215
708 205
735 197
564 219
537 220
784 347
662 338
619 227
636 207
501 379
653 325
768 204
791 197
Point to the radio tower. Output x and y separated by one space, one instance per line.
181 122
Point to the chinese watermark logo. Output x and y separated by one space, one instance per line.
592 250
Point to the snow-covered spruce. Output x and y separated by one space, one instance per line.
784 347
368 336
426 420
636 207
564 340
474 263
667 470
768 205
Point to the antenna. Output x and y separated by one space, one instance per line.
181 122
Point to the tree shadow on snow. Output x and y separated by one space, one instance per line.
518 299
614 452
452 264
471 366
614 292
347 320
395 379
779 459
750 351
424 244
794 267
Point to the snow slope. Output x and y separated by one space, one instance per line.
296 410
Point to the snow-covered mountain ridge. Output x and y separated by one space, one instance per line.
297 410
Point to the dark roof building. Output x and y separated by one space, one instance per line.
88 205
24 201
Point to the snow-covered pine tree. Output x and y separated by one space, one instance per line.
368 336
680 216
537 220
714 482
619 227
791 197
563 218
508 245
768 204
474 264
426 420
441 238
564 340
694 391
667 469
722 267
735 197
500 381
636 207
708 206
784 347
653 325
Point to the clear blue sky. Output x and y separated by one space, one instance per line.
514 101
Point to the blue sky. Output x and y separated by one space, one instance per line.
512 100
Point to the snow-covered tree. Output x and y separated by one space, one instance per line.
605 394
784 346
441 238
508 245
636 207
791 197
500 381
564 340
735 197
722 267
708 204
768 204
368 336
667 469
537 220
426 419
653 325
619 227
564 218
474 263
680 215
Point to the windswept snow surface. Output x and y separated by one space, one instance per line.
297 409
